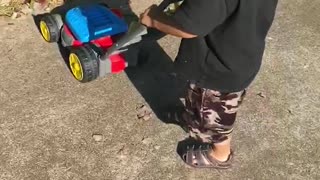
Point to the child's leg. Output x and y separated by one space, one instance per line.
210 117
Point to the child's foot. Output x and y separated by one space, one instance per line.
220 156
202 158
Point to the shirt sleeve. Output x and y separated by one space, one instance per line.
200 17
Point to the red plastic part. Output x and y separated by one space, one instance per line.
118 64
104 42
117 12
75 42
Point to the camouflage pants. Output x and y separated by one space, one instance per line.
211 114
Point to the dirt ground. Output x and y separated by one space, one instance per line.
47 119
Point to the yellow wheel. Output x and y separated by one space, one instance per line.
75 66
45 31
83 64
50 26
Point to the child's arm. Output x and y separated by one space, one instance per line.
193 18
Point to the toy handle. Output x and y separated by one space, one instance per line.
138 30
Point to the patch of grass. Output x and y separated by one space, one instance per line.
12 6
6 10
15 5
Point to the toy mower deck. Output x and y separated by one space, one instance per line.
96 37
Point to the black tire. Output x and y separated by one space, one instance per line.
53 28
88 61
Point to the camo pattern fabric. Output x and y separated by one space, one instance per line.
211 114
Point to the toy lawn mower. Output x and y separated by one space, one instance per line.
96 36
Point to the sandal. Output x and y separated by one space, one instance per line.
199 158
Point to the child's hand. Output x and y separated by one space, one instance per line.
146 18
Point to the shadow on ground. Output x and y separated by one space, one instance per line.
152 71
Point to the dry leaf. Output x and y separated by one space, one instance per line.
143 112
262 95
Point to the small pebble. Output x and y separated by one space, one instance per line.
157 147
121 149
144 113
147 141
77 131
97 137
147 117
290 163
14 15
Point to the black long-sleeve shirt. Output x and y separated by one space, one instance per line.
227 54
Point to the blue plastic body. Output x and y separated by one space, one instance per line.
91 22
